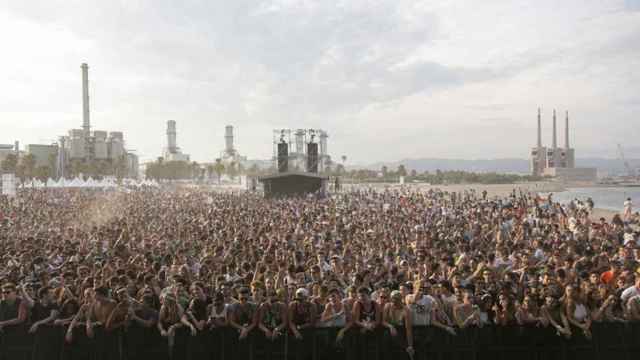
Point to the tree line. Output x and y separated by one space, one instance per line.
183 170
26 169
437 177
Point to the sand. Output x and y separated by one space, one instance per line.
493 190
602 213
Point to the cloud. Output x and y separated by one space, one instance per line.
419 72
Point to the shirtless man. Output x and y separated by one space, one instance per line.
100 310
122 312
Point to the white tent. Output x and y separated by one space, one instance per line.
108 182
91 183
77 182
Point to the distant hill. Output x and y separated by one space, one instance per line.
519 166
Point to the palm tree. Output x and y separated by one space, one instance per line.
210 170
195 173
43 172
402 170
29 162
9 163
20 173
253 170
219 168
120 167
232 170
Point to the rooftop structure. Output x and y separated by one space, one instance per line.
546 161
172 152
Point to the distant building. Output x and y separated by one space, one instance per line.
133 165
45 155
6 149
86 145
230 154
573 174
172 152
555 161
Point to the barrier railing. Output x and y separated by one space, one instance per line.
617 341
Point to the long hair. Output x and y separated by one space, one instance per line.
169 310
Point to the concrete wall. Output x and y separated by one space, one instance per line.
575 174
42 153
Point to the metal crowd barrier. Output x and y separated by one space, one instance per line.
617 341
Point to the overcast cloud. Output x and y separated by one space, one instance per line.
387 79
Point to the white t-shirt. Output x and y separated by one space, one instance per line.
421 311
629 292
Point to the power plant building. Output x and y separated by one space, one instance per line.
555 161
44 155
230 154
6 149
172 152
86 145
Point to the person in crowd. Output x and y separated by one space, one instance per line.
555 314
334 314
13 310
121 268
397 319
44 312
467 312
528 313
301 319
171 323
576 311
367 317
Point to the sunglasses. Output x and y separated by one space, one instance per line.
7 291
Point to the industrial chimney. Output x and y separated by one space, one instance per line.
228 139
323 149
539 130
555 139
171 136
86 124
566 131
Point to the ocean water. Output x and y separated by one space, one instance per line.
609 198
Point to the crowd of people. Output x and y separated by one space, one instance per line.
109 269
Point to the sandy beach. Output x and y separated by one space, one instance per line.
602 213
494 190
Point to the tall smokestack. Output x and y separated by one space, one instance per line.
171 136
228 139
539 130
86 124
555 140
566 131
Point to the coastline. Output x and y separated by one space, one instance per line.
493 190
496 190
597 213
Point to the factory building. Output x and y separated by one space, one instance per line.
79 145
44 155
6 149
172 152
555 161
230 154
86 145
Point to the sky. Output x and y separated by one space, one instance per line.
387 80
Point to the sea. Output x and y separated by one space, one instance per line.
608 198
